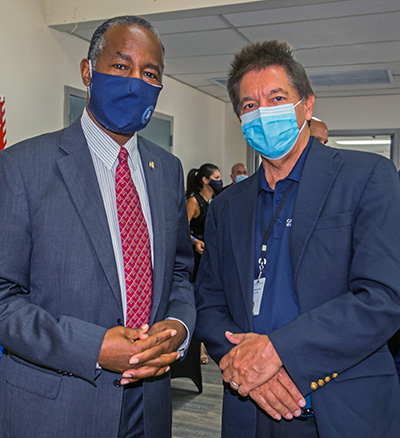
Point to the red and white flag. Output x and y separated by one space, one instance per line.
3 137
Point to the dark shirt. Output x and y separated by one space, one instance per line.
197 223
279 304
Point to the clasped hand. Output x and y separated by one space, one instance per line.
142 352
198 246
257 371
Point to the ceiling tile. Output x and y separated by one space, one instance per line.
199 79
203 43
189 24
357 93
312 12
372 53
338 31
198 64
216 90
328 36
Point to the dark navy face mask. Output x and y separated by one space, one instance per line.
216 185
122 105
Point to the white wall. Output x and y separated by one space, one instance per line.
375 112
199 124
235 145
36 63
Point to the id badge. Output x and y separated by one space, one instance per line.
258 290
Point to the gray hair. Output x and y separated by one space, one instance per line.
97 42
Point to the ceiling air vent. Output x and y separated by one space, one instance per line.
220 81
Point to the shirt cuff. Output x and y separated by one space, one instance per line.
185 345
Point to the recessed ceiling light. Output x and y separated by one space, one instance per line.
361 142
351 77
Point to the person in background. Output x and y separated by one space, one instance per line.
319 130
202 185
96 300
298 290
238 173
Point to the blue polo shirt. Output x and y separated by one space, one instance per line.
279 303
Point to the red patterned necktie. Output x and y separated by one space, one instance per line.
135 246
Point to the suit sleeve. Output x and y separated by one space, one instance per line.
347 329
181 299
27 330
213 315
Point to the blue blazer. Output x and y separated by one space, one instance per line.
59 289
345 255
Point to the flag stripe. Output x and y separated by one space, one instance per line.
3 136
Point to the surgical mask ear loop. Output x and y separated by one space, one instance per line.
294 106
90 70
304 124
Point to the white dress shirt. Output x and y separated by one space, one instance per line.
104 151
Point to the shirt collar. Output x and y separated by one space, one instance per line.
294 175
103 145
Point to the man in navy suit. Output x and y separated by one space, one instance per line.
299 285
71 366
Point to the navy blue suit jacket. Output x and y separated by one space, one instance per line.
59 289
345 254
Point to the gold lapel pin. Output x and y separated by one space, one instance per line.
151 164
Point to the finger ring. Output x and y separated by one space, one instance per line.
234 384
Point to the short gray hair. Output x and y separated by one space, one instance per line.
97 42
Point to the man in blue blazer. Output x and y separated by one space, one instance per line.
299 285
70 367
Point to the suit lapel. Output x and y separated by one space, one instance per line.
242 215
319 173
153 170
78 172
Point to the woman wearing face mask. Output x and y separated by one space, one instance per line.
202 185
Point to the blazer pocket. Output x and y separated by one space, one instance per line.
379 364
335 221
32 380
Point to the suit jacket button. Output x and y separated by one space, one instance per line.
321 382
313 385
327 379
120 321
117 383
334 375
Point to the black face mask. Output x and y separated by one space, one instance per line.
216 185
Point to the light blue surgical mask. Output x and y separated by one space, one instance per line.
240 178
272 131
121 104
